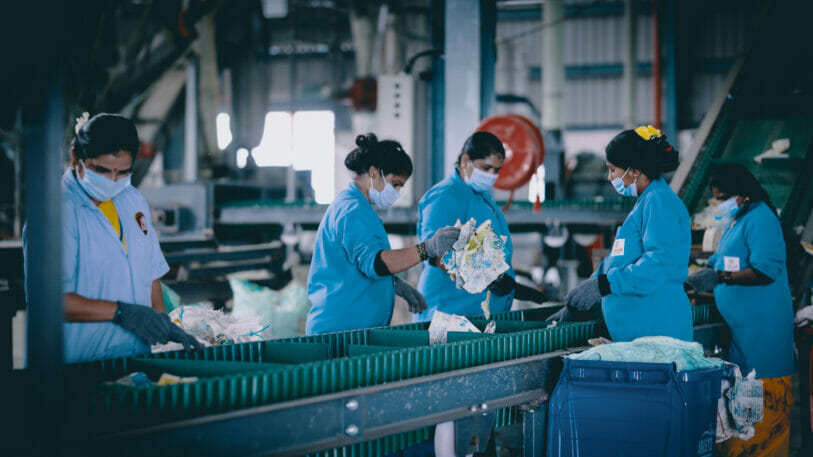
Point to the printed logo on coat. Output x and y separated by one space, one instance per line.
618 247
141 221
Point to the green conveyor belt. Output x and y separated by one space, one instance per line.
247 375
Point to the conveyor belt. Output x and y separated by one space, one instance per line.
245 380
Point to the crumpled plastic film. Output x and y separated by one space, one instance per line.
443 323
213 327
284 311
654 349
477 258
740 407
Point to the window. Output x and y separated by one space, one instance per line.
537 185
304 140
223 127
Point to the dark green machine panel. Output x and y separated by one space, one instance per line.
787 181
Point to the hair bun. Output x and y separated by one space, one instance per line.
365 141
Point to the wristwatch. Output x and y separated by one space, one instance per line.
726 279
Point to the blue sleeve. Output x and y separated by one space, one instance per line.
599 269
435 213
766 245
362 236
712 260
663 256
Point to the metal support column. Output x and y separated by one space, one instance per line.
469 73
629 64
553 66
488 34
535 428
190 163
437 96
670 68
43 133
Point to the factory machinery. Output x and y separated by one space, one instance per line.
365 392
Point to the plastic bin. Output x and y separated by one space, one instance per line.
633 409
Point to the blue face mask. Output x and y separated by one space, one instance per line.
627 191
100 188
383 198
481 181
729 207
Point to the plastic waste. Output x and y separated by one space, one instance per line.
477 257
655 349
740 407
443 323
777 151
285 312
214 327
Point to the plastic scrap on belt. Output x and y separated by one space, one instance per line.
477 257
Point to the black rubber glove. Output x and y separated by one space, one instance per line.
525 293
414 299
151 326
442 241
503 285
176 334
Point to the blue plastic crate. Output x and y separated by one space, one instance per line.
633 409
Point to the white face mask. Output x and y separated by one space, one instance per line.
383 198
481 181
100 188
627 191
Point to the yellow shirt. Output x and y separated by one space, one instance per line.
109 211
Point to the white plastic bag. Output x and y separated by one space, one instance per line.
284 312
740 407
477 258
213 327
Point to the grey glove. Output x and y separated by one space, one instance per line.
703 280
563 315
176 334
442 241
414 299
584 296
571 314
144 322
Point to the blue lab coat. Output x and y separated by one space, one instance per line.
447 202
96 265
343 286
646 269
760 317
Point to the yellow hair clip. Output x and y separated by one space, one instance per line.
648 132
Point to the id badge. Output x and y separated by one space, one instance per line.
618 247
731 263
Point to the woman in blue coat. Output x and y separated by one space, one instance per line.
111 259
350 284
749 276
465 195
640 283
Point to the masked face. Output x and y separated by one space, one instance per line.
388 192
481 174
616 177
105 176
728 205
